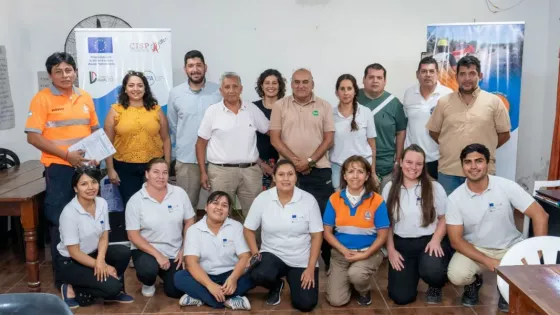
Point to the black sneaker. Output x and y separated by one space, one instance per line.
365 300
502 304
273 296
470 296
433 295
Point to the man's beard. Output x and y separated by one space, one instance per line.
202 78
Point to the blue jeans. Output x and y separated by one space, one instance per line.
132 178
58 194
450 182
185 282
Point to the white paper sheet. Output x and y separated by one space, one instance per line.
97 146
7 116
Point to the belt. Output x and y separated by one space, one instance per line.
360 250
240 165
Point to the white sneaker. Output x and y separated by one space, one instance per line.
238 303
186 300
148 290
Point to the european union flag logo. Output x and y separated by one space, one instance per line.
100 45
293 216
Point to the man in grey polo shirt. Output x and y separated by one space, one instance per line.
186 107
480 222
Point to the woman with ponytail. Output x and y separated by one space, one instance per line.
354 128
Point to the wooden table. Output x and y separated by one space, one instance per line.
21 190
533 289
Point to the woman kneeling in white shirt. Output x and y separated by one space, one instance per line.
215 256
87 265
157 218
418 248
291 232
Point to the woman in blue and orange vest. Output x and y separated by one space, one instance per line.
356 225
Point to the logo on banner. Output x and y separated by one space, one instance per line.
93 77
100 45
152 78
147 46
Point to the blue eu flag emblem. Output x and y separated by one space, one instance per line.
100 45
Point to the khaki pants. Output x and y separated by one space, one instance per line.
245 183
342 274
462 269
384 180
188 178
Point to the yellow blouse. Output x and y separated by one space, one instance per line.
137 138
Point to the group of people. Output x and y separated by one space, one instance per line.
313 180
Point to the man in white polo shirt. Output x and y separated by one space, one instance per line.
419 102
227 135
480 222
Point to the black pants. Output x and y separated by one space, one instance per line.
82 279
403 284
432 167
147 271
132 177
271 269
319 184
58 194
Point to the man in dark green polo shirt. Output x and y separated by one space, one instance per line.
390 121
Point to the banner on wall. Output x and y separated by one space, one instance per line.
105 55
499 47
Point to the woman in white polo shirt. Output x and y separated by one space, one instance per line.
291 233
417 245
157 218
215 255
354 128
87 266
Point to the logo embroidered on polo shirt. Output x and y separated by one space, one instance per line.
29 114
368 216
315 113
86 109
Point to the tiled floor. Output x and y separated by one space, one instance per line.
13 280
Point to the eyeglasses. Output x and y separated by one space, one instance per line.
136 73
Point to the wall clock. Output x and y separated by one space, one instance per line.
94 21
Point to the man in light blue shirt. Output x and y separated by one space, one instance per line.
186 107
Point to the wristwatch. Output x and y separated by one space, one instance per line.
311 163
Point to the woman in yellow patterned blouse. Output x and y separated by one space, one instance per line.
138 128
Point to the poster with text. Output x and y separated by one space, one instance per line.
499 47
106 55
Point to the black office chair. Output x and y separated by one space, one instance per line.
8 159
33 304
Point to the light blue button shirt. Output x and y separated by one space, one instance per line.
185 112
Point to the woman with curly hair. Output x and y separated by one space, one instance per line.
271 86
138 128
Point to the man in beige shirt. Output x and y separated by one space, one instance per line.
302 130
470 115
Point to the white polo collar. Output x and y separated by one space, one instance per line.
225 109
297 196
437 90
78 207
203 225
145 195
472 193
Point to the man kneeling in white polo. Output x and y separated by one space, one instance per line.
227 135
480 222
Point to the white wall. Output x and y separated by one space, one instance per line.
330 37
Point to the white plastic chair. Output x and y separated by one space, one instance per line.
539 184
529 250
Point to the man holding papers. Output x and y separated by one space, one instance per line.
59 116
